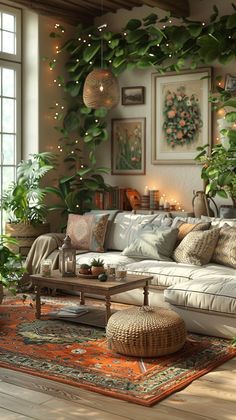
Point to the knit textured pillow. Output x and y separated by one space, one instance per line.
197 247
225 250
87 231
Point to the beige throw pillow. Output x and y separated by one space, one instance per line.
225 251
87 231
197 247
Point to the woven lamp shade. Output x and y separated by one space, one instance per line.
101 89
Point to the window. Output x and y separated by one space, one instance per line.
10 95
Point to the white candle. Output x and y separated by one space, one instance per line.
68 266
146 190
161 202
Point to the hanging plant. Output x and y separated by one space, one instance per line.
148 43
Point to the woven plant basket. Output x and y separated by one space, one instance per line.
25 234
145 332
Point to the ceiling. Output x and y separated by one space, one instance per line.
84 11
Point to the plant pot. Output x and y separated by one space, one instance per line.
97 270
25 234
228 212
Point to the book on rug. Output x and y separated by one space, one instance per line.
69 312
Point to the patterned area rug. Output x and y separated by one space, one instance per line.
71 353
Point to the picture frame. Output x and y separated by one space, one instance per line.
181 115
133 95
230 83
128 148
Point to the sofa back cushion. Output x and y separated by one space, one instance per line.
87 231
218 221
225 250
197 247
153 242
125 228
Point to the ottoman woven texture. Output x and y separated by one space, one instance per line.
145 332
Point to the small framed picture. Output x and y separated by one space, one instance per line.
230 83
132 95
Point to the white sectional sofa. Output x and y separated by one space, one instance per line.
204 295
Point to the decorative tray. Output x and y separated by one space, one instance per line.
86 276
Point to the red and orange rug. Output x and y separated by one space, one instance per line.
74 354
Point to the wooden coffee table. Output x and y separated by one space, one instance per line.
88 285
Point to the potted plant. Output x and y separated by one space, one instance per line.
97 266
219 167
24 201
11 269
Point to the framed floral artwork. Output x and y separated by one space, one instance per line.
180 115
128 146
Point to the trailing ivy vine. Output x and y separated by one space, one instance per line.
148 43
153 43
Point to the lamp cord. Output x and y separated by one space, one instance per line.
102 37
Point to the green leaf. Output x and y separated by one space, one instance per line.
179 36
133 24
84 171
231 21
195 30
150 19
209 47
222 193
88 138
230 102
231 116
156 33
118 61
232 135
71 121
91 184
136 35
84 110
90 52
73 88
101 112
114 43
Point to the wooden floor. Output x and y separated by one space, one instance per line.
213 396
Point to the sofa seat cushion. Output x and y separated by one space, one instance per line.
167 273
215 294
112 257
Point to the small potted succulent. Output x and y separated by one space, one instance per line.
97 266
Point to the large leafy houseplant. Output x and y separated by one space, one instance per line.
11 269
219 167
24 199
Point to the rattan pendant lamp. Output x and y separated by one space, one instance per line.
101 88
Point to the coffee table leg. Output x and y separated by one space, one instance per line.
146 293
38 302
108 307
82 299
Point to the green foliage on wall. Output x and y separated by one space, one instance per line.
143 44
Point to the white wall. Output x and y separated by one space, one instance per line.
176 181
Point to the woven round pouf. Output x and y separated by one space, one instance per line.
145 332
